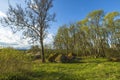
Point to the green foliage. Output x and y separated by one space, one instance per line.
61 58
83 22
113 55
110 17
14 64
34 52
49 51
34 49
91 36
71 58
96 14
52 57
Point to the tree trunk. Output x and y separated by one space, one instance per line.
42 52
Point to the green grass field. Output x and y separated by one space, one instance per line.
17 66
88 69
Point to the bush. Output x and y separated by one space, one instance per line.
13 62
113 55
71 56
52 57
61 58
34 56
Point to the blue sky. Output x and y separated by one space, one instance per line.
67 11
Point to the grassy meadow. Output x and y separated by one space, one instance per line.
15 65
89 69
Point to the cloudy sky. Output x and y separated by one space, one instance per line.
67 11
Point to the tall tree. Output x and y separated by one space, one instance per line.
33 19
112 23
95 21
62 38
72 37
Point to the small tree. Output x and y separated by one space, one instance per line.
33 19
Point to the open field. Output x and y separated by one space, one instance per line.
16 66
89 69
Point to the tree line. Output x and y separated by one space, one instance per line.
93 36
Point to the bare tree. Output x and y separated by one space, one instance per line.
33 19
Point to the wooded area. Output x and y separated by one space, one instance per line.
97 35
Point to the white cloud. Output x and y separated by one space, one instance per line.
49 39
10 39
7 38
2 14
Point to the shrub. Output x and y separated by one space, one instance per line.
34 56
71 56
34 49
52 57
113 55
61 58
13 62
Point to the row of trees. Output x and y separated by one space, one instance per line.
94 35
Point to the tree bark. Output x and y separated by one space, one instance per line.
42 52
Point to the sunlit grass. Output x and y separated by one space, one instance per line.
15 65
90 69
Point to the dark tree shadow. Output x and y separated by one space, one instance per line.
43 75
